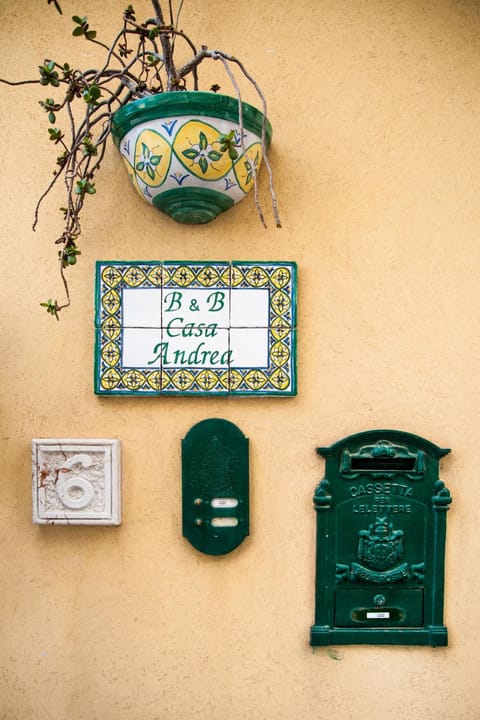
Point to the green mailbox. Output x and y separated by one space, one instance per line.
215 483
381 526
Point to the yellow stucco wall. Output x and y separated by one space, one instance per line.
376 154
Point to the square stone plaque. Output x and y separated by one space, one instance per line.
76 481
195 328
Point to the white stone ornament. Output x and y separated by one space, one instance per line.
76 481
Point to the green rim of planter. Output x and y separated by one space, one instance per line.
200 103
193 206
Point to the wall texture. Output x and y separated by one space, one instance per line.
376 156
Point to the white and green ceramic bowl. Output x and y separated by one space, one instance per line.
170 145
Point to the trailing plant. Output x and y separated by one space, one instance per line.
139 61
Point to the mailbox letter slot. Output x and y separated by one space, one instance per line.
381 527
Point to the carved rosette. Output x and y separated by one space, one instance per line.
76 482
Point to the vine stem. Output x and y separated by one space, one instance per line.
166 47
67 291
217 54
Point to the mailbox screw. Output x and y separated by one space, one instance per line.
198 522
197 501
379 600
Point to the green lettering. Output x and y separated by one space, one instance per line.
161 349
211 330
193 357
192 330
174 300
218 300
226 358
180 354
169 327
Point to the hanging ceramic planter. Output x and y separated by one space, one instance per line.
171 145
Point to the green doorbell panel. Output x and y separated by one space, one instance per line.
215 481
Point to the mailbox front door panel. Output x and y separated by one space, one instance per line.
381 523
369 608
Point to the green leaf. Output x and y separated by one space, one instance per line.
191 154
83 28
228 144
95 91
89 149
139 166
150 172
51 306
155 159
214 155
91 94
48 74
203 162
55 134
61 160
203 141
226 138
85 186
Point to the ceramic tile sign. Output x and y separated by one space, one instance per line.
195 328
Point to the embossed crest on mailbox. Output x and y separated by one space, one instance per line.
381 526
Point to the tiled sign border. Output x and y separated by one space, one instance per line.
278 379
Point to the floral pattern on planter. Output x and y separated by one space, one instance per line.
152 158
197 147
247 166
193 152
